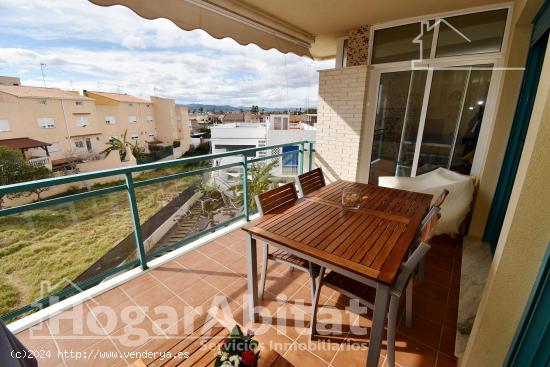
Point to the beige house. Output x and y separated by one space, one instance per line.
76 128
122 112
65 120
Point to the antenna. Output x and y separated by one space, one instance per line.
42 66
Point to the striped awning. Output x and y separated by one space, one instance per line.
224 18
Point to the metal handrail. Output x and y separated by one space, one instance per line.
129 186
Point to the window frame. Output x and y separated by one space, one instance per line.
47 126
79 123
433 59
133 121
7 121
108 120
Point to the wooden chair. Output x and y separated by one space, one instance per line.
435 208
310 181
270 202
366 294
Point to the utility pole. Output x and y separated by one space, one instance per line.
42 66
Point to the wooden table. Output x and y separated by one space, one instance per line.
368 244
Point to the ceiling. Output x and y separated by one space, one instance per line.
328 20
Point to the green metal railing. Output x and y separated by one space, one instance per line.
130 186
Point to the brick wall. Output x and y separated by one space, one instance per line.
340 112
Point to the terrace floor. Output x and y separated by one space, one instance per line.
188 285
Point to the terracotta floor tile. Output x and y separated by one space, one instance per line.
353 353
222 279
237 290
153 297
167 271
423 331
432 290
446 361
324 348
429 309
448 338
439 276
111 298
412 354
200 293
190 258
301 357
139 285
451 316
35 336
212 248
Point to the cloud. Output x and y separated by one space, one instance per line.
90 47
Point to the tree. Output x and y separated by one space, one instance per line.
14 168
38 173
121 145
259 180
213 202
311 110
254 109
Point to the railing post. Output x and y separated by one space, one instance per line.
301 159
245 187
135 219
310 156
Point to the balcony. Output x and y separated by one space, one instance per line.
144 248
203 279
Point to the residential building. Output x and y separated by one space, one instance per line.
10 80
277 130
66 121
63 128
120 113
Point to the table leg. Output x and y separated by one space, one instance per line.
252 276
378 323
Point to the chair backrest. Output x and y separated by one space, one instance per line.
269 201
434 210
310 181
408 268
441 198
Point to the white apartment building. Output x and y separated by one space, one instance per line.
277 130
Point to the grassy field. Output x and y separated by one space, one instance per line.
61 242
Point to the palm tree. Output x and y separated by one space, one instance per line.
121 145
259 180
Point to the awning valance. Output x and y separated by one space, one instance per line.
224 18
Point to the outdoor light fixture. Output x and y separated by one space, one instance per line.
480 102
471 108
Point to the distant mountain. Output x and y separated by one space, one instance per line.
227 108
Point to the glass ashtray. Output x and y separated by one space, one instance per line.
351 198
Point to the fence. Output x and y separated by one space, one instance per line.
129 186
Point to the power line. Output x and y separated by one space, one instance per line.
42 66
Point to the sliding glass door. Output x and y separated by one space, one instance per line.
398 108
427 119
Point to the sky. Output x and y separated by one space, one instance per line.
84 46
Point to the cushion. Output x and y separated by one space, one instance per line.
457 205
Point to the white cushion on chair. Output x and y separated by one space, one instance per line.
456 206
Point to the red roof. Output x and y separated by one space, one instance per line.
23 143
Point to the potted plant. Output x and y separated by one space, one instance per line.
238 350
